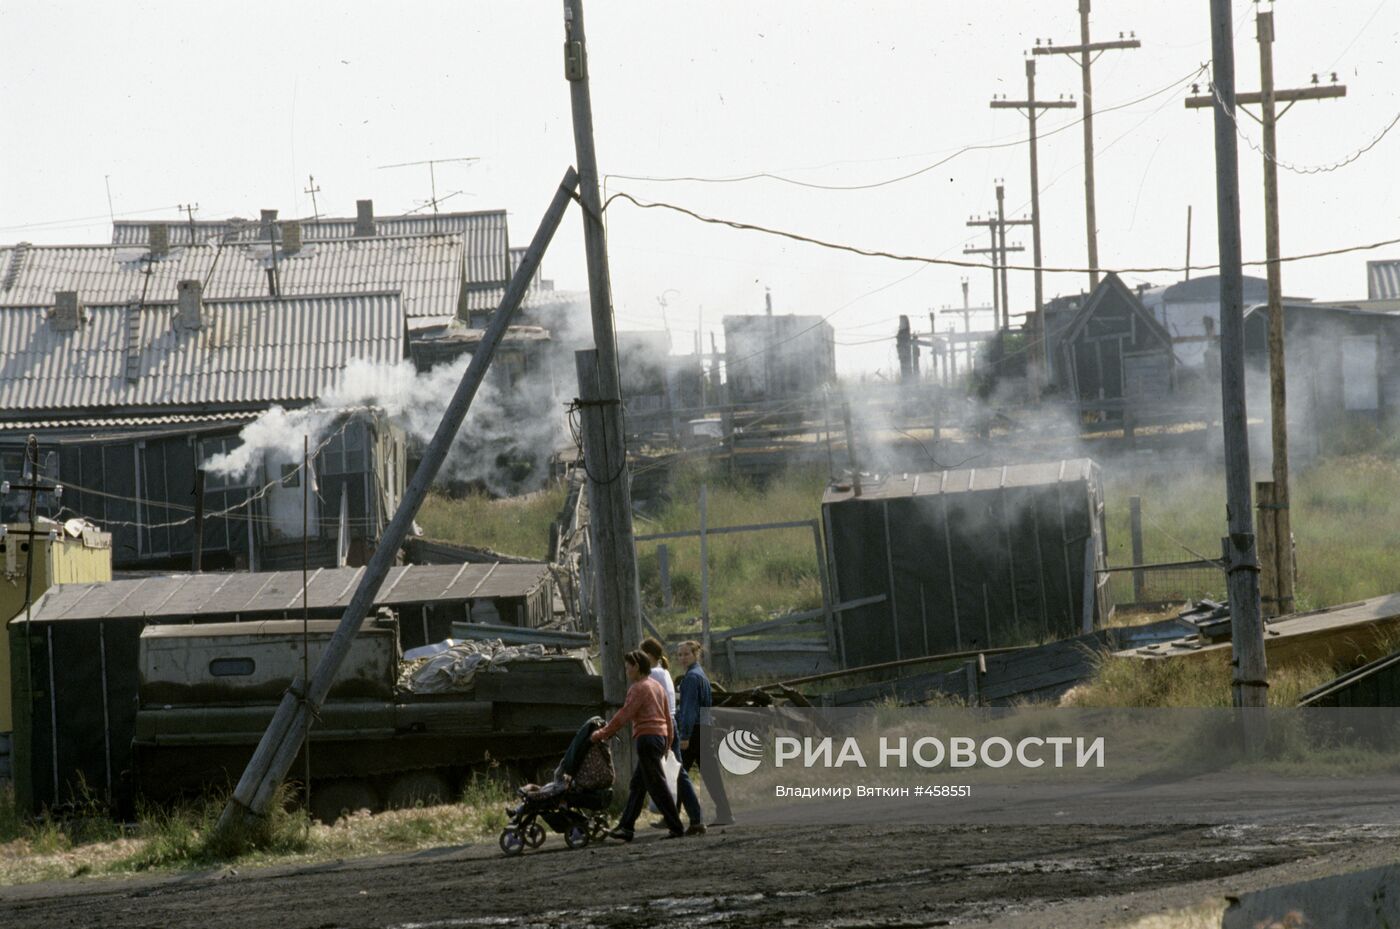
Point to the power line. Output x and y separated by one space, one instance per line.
988 146
956 263
1314 169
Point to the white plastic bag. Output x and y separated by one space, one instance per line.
671 770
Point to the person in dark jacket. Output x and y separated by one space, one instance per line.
695 728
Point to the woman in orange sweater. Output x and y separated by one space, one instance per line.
652 731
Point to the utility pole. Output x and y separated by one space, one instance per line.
1001 306
313 190
31 483
286 733
1279 600
1031 106
1250 667
189 210
609 482
1087 52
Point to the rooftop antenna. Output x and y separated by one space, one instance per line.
432 176
189 210
313 190
107 179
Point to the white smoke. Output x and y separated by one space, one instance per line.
505 439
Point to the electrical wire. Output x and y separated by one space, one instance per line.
1296 169
987 146
974 265
179 507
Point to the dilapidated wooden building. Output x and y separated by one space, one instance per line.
1342 364
965 559
1109 353
777 357
128 401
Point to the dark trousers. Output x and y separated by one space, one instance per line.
648 779
685 790
701 750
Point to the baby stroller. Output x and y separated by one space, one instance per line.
574 804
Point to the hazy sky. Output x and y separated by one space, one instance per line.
233 106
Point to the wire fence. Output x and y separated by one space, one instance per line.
1156 585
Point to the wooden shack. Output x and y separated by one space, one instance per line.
1342 364
777 357
1113 356
73 724
973 558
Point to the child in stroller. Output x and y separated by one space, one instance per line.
574 804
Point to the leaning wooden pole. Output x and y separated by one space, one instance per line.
284 736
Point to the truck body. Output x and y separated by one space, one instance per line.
207 693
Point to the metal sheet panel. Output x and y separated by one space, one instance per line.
1383 280
250 351
425 269
252 594
967 480
488 256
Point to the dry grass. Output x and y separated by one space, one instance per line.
182 838
1202 916
1186 682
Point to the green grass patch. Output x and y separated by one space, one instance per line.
513 526
752 574
1345 514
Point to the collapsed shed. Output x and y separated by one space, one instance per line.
972 558
73 725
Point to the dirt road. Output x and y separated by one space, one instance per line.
755 877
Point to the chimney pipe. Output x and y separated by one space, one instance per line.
190 314
291 237
364 217
159 236
768 300
268 218
67 311
965 303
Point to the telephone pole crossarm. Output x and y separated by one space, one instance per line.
1085 47
1320 92
1038 104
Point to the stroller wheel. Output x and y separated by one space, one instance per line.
512 842
534 835
598 827
577 836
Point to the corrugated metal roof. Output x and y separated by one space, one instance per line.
426 269
487 300
109 423
967 480
248 595
249 351
1383 280
484 231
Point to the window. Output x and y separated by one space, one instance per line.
231 667
222 445
291 475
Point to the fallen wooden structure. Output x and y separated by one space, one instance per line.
1001 677
1330 635
1374 684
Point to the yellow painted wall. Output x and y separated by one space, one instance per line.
64 561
